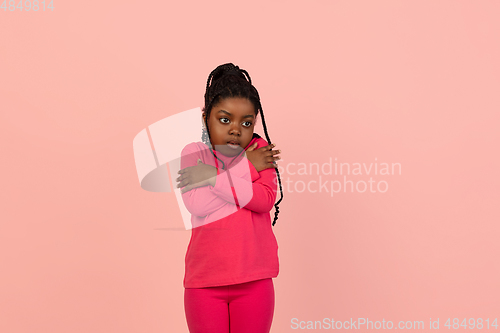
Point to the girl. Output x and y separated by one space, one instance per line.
229 185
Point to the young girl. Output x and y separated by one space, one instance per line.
229 185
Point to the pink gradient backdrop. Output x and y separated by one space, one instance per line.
84 249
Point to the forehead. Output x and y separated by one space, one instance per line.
236 106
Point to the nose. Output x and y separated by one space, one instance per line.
235 130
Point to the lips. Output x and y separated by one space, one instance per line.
233 144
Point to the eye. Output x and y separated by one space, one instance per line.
221 119
247 122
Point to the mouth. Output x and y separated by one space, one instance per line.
233 144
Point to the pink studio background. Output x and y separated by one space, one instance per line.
85 249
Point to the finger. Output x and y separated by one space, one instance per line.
183 183
272 159
182 177
276 152
266 148
187 188
272 152
186 169
270 147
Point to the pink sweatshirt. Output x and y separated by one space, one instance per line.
232 240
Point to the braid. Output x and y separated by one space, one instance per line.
277 172
228 80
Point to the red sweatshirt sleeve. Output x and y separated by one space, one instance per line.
199 201
254 190
241 184
264 191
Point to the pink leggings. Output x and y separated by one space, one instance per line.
237 308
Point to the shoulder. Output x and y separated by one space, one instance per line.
193 147
195 150
260 141
192 152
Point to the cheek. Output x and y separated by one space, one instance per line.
217 132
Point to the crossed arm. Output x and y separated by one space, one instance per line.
253 190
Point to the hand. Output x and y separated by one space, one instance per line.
196 176
263 158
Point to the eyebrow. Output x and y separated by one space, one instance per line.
247 116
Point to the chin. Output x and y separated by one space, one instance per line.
228 151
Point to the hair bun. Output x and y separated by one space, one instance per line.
233 70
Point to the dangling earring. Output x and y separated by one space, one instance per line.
204 135
205 138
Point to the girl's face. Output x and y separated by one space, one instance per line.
231 125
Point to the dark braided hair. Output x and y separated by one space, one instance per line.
229 80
